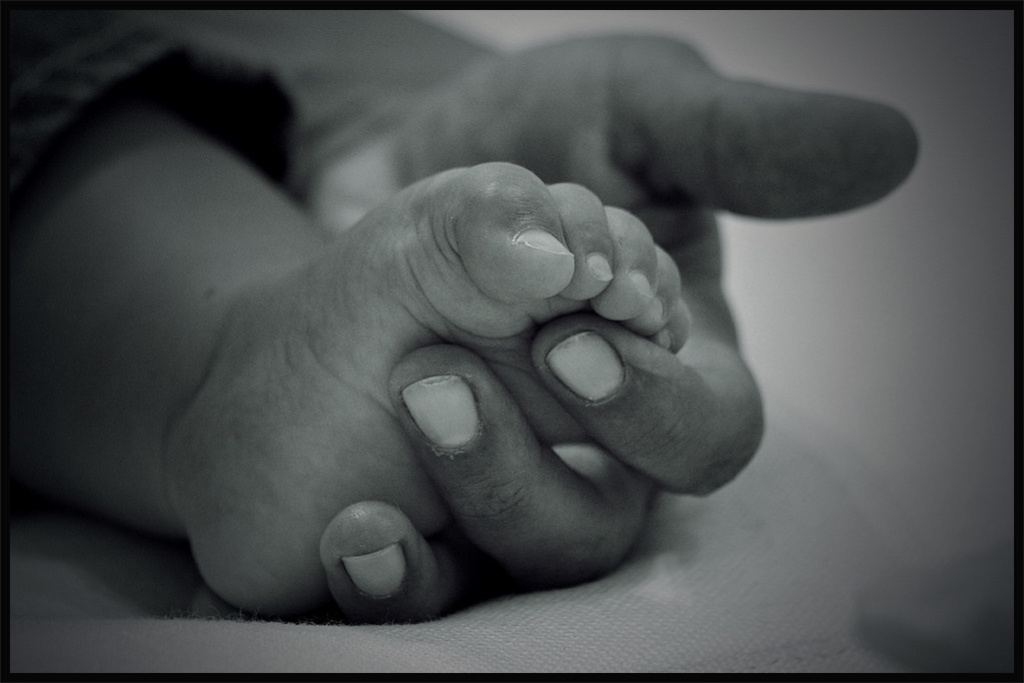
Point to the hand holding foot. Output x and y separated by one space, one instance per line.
294 420
207 342
648 125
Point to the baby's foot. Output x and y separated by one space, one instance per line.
293 422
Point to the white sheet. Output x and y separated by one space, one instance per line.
763 576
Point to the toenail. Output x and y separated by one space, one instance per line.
378 574
541 240
444 409
587 365
642 284
599 267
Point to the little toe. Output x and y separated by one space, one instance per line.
635 269
676 331
661 308
585 225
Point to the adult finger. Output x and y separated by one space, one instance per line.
746 147
691 421
547 520
380 569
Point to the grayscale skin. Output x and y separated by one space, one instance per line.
212 364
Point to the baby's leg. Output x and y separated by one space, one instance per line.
126 246
191 359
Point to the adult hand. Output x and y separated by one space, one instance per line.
647 125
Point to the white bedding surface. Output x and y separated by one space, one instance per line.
883 339
763 576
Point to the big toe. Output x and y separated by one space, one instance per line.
503 225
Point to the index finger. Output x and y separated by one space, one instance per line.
548 519
689 420
749 148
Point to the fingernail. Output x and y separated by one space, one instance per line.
542 241
378 574
642 284
587 365
599 267
444 410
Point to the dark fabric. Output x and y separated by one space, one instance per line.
245 109
62 61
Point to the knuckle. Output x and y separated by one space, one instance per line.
489 499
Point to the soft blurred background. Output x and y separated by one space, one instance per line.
886 333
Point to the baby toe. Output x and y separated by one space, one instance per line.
585 225
662 307
504 226
635 269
